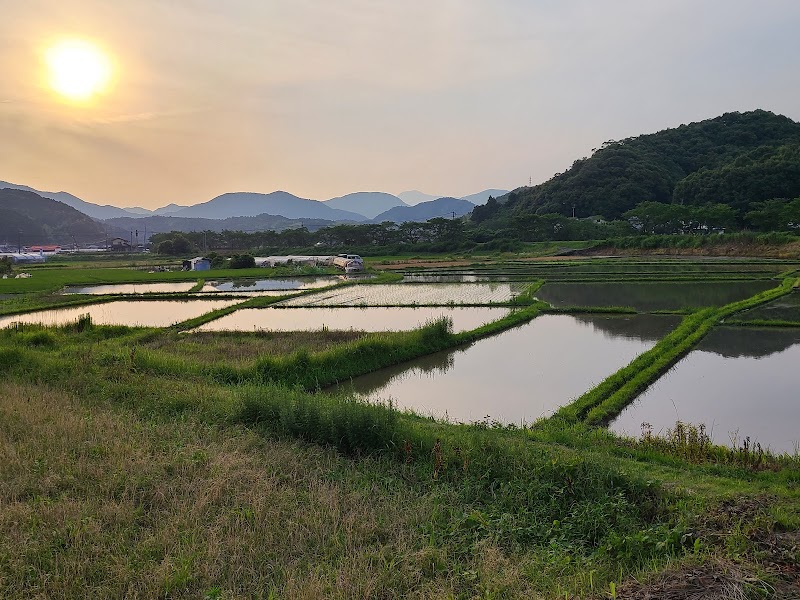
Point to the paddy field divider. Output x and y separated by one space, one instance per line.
317 370
600 405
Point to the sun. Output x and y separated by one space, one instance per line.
78 70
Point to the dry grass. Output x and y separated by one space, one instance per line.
95 503
244 348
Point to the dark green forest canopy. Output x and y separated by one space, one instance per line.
757 176
758 145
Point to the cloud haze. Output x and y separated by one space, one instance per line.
322 98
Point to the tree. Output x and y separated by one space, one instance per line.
778 214
242 261
174 244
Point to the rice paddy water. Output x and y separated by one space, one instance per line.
138 313
520 375
740 382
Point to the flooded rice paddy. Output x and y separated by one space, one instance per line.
605 269
651 296
344 319
412 294
786 308
140 313
237 286
131 288
739 382
520 375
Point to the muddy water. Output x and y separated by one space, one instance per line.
343 319
520 375
142 313
739 382
651 296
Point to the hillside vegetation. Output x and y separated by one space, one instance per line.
31 219
735 159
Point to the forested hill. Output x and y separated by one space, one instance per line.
738 158
30 219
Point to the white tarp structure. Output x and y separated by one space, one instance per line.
24 257
349 263
274 261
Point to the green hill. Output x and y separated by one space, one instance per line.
28 217
760 175
697 163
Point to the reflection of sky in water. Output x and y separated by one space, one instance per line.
132 288
411 294
738 379
360 319
522 374
143 313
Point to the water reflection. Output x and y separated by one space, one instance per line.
141 313
651 296
450 278
785 308
650 328
739 381
735 342
260 285
131 288
519 375
343 319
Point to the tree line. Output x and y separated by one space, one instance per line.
505 233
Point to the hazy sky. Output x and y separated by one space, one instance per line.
321 97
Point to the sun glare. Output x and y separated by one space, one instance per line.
78 70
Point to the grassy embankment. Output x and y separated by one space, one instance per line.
40 291
421 508
773 245
48 280
431 509
315 370
601 404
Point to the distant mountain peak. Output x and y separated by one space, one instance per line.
369 204
441 207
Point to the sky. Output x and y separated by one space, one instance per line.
324 98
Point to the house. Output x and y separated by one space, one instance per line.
199 263
48 249
119 245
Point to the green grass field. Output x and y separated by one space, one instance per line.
151 463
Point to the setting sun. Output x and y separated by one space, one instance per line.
78 70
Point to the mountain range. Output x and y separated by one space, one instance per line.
354 207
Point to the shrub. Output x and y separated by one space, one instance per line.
242 261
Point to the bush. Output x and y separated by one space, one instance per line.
242 261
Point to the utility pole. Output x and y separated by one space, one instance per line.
19 241
573 211
130 248
454 214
